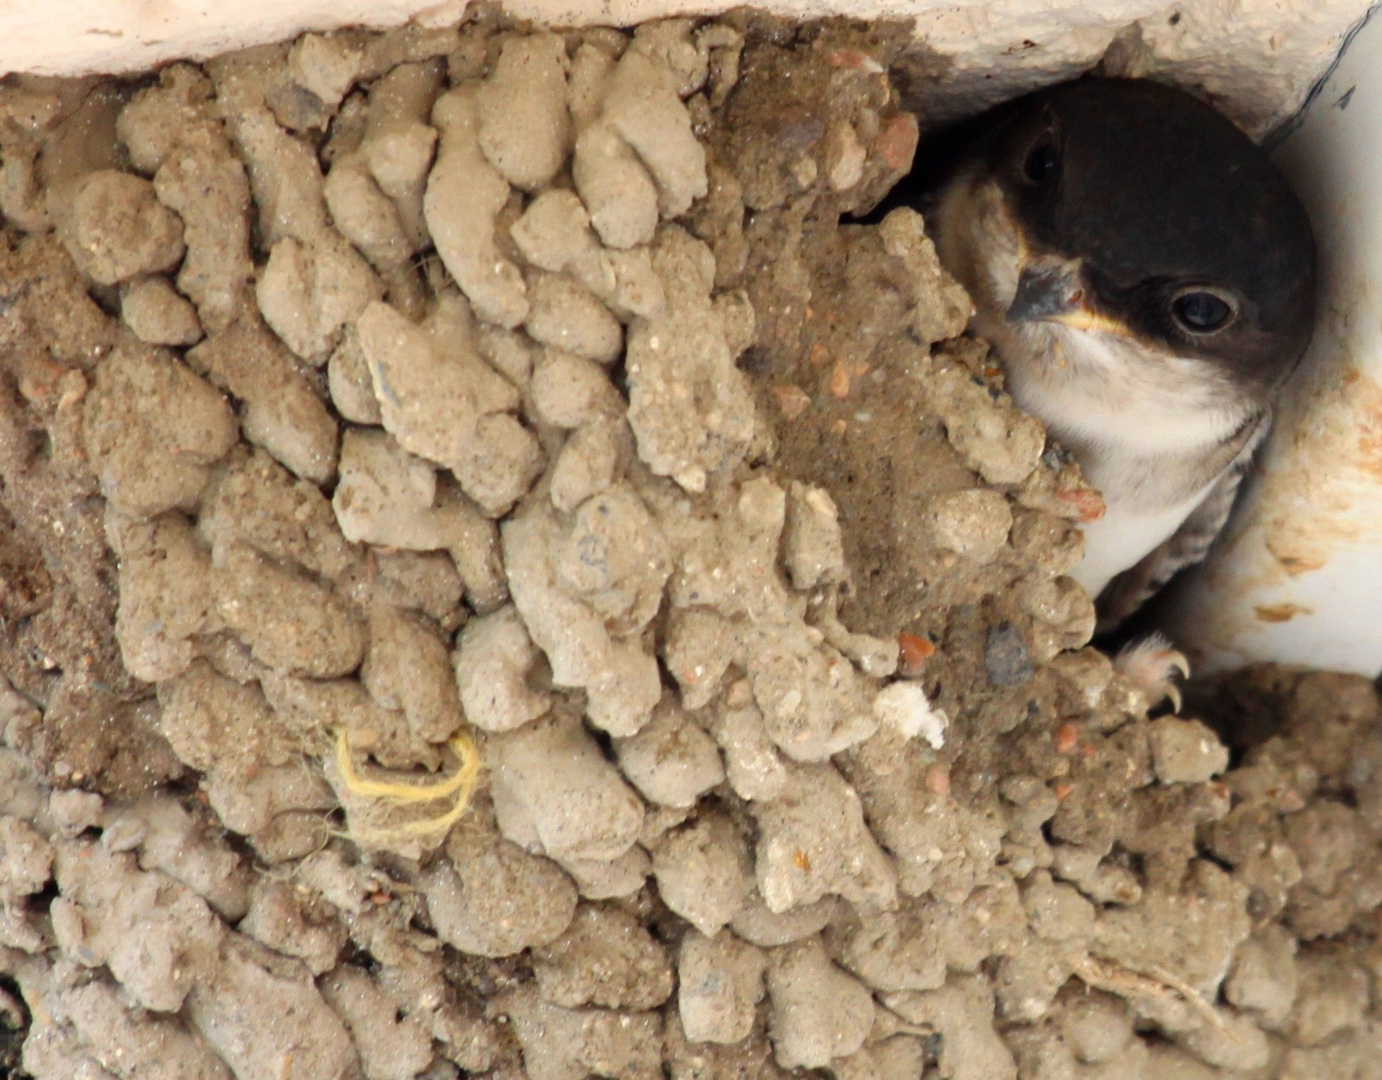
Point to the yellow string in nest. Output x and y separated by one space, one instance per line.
459 786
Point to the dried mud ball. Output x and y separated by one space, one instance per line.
505 574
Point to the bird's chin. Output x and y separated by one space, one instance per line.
1028 351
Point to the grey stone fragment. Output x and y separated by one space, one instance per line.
1006 658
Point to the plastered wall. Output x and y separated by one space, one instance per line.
1257 57
1298 578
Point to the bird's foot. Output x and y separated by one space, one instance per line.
1151 664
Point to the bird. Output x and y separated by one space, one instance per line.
1146 278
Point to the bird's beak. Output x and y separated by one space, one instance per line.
1047 291
1053 290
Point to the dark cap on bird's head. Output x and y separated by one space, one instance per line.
1141 210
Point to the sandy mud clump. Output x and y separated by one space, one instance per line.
505 573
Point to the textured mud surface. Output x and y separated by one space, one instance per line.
496 577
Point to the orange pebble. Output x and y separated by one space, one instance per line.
839 380
72 387
912 650
1067 739
40 378
855 59
938 780
1088 503
792 400
1064 791
897 143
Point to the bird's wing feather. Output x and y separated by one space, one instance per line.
1187 546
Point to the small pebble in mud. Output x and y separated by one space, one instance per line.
1185 751
720 981
819 1013
117 228
1006 658
157 314
704 872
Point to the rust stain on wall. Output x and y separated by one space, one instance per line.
1279 613
1323 486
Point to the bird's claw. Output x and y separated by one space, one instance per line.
1149 664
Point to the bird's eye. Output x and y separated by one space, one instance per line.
1201 312
1042 160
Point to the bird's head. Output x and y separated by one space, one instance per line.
1142 214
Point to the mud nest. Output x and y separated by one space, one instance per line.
501 575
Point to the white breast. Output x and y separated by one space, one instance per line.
1140 428
1124 535
1140 425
